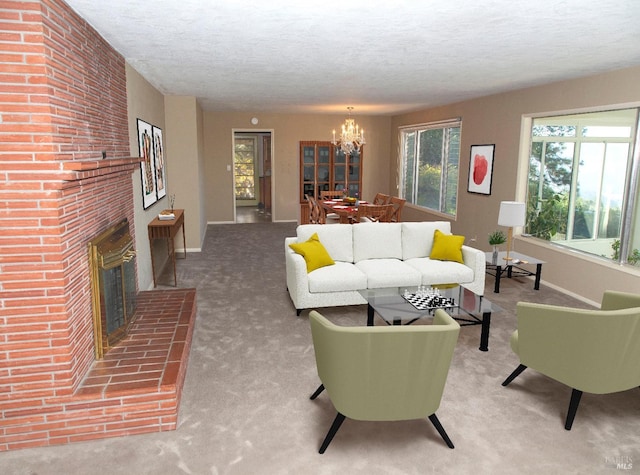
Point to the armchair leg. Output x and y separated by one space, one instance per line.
337 422
436 423
514 375
317 392
573 408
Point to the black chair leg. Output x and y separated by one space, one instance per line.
318 391
436 423
337 422
573 408
515 374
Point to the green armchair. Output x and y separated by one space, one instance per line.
594 351
384 373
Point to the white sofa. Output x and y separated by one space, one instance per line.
375 255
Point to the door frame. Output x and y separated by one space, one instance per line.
247 131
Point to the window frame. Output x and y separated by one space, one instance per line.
403 132
630 204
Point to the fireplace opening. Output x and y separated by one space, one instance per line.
113 285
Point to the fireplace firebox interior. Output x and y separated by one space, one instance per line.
113 285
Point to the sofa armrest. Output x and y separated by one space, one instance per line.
296 271
475 259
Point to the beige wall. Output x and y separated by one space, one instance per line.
146 103
180 119
185 167
287 131
498 120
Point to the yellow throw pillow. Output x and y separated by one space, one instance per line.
447 247
314 253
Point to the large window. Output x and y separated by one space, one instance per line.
583 190
430 156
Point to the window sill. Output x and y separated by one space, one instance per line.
575 253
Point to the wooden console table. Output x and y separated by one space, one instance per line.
167 229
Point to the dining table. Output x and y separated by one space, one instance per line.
345 211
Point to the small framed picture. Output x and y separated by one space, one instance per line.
158 156
147 166
481 169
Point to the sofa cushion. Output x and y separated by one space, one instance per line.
314 253
377 241
337 240
417 238
447 247
441 272
383 273
340 277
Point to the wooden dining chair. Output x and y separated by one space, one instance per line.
316 213
381 199
398 204
325 195
373 213
331 218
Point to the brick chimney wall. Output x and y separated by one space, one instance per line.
63 103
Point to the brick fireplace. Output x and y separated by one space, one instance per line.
64 109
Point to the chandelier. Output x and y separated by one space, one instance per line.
352 136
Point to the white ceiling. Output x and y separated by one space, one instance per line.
381 57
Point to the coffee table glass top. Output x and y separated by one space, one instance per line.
517 258
391 305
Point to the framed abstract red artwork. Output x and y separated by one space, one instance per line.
481 169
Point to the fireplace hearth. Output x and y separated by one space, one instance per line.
113 285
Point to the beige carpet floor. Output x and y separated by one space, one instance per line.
246 408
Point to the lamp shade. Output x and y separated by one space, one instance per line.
512 213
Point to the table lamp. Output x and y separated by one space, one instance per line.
512 213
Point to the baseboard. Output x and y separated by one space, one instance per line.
274 221
566 292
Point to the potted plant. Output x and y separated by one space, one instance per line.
495 239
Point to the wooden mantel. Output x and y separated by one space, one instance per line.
81 169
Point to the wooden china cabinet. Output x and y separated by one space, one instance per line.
325 167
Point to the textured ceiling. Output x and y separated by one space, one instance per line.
381 57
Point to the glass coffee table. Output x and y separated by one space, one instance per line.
394 307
